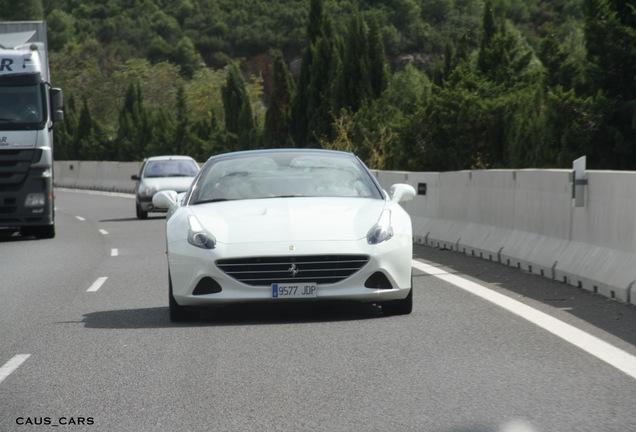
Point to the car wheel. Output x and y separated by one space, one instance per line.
177 313
400 307
140 213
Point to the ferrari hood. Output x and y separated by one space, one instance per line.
289 219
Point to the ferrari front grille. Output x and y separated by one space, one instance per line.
264 271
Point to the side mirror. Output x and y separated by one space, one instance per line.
134 177
57 103
400 192
165 199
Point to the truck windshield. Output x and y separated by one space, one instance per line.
21 105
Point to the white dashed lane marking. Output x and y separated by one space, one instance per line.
97 284
9 367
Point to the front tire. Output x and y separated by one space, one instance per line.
178 313
399 307
140 213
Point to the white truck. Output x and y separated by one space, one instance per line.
28 108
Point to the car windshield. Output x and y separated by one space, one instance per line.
171 168
284 174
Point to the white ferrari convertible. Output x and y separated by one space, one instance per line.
287 225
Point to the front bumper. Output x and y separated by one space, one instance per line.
188 265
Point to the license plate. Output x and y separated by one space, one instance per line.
298 290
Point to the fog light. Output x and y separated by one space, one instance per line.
35 200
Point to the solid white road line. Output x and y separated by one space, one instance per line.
114 252
610 354
10 366
97 284
79 218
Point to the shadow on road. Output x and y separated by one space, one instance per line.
235 315
133 219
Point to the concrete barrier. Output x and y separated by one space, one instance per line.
521 218
527 219
96 175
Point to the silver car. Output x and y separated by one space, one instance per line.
162 173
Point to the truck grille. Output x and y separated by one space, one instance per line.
264 271
14 166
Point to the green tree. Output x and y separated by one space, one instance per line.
325 64
299 112
134 132
59 29
183 141
65 146
353 87
239 122
23 10
90 137
163 133
501 57
610 32
379 72
277 120
186 56
558 70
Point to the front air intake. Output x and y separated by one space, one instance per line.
378 281
207 286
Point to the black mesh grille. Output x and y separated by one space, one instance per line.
322 269
14 167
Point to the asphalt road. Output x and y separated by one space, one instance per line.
86 344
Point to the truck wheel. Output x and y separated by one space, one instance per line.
45 232
39 232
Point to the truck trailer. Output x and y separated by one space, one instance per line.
29 106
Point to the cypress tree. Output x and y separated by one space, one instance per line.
354 85
278 116
90 136
134 134
299 116
610 32
379 73
65 146
500 58
488 33
182 137
449 59
319 94
239 122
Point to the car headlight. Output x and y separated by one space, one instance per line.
382 230
198 236
150 191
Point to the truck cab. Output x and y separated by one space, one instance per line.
29 106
